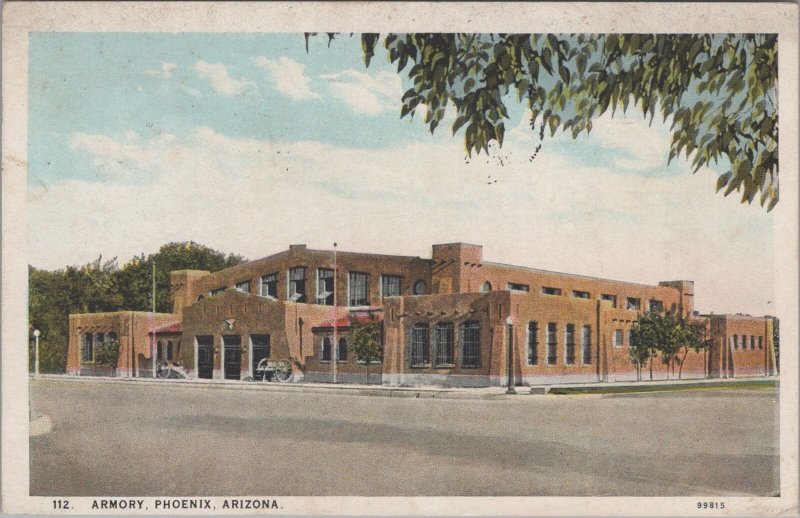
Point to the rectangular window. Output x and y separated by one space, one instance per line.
533 343
420 350
269 286
358 289
297 284
443 335
513 286
617 341
736 341
552 344
586 345
569 344
243 286
471 344
390 286
656 305
260 345
581 294
217 291
760 342
630 337
633 304
752 342
610 298
551 291
325 286
88 347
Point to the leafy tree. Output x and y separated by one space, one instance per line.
366 344
694 335
720 90
776 341
107 351
660 334
639 350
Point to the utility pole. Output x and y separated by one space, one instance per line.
335 345
153 348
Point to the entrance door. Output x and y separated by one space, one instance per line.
205 357
260 345
233 357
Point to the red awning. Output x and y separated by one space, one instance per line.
360 317
171 327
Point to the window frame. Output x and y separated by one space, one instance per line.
354 303
532 341
580 294
237 286
549 290
384 277
617 338
470 336
636 307
322 282
552 343
586 344
292 283
267 280
519 287
444 340
422 330
569 344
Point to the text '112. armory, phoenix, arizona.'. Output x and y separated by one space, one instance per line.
447 320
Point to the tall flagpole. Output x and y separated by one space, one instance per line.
335 345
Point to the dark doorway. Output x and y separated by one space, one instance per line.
260 345
233 357
205 357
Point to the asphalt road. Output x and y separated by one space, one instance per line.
127 439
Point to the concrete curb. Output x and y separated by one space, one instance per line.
312 388
486 393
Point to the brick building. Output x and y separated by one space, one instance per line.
446 320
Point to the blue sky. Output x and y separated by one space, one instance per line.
246 143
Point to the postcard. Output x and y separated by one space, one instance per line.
400 258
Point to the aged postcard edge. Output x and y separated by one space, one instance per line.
20 19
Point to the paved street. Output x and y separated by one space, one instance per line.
129 439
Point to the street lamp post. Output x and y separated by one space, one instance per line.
510 333
36 335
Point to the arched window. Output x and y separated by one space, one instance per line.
420 345
169 349
326 349
487 287
419 287
342 352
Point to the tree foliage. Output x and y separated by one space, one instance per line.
366 344
664 334
718 91
104 286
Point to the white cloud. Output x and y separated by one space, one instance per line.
164 73
364 93
288 77
255 196
221 81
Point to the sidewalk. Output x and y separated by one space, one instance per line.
485 393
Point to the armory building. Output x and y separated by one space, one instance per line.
446 320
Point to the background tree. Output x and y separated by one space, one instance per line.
366 344
104 286
718 90
776 341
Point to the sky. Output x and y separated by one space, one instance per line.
248 143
